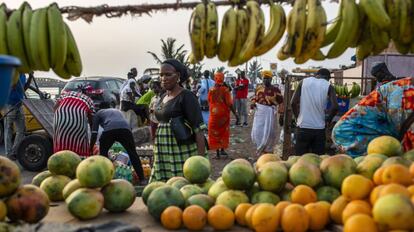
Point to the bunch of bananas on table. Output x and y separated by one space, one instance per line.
342 91
242 36
40 39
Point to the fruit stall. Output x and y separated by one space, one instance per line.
319 193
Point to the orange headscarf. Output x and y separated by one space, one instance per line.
219 78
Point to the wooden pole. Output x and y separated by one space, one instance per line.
287 120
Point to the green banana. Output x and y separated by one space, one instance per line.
348 31
256 31
406 22
355 90
380 38
62 72
15 41
362 20
211 30
3 30
197 30
39 39
228 35
26 19
401 48
393 9
365 44
376 12
318 56
242 33
333 29
57 37
275 31
73 63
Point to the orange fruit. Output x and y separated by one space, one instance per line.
265 158
396 173
412 199
220 217
172 218
394 189
303 194
337 208
281 206
318 214
378 176
295 218
360 223
194 217
412 170
240 213
249 214
411 189
265 218
356 207
356 187
375 193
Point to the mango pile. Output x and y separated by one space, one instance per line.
309 192
87 186
26 203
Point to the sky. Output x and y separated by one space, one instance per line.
111 46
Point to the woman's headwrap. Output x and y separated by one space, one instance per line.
267 74
219 78
179 67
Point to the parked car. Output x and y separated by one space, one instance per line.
104 89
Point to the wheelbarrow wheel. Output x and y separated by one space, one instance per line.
33 152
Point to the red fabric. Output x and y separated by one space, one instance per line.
219 123
244 90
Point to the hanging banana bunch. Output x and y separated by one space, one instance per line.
40 39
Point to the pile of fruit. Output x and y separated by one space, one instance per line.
26 203
40 39
369 26
343 92
369 193
86 186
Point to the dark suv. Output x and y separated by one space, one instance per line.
104 89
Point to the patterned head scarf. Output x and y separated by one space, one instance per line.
267 74
219 78
179 67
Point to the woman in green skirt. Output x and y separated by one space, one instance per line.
175 106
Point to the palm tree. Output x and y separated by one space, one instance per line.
254 70
169 49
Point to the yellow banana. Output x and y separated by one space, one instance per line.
39 39
348 31
228 35
297 29
3 30
256 31
365 44
314 32
333 29
15 41
275 31
211 30
242 32
376 12
197 30
26 19
73 63
286 50
57 37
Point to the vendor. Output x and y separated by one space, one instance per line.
73 115
176 109
115 129
388 110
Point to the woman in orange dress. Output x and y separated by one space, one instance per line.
221 104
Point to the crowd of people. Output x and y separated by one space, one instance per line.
188 119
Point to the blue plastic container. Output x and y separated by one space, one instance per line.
343 104
8 65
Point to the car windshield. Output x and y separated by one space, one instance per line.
73 85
